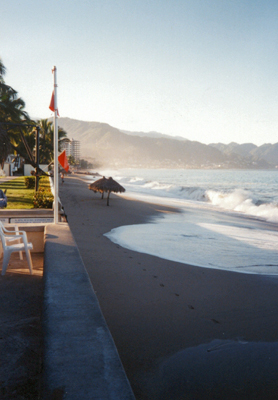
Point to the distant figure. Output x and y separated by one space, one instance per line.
62 177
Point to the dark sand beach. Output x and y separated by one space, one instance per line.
182 332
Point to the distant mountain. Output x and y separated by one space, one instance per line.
153 135
267 152
241 149
110 147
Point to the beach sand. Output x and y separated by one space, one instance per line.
182 332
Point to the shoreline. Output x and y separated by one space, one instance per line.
156 308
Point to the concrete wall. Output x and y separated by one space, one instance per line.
80 358
28 168
7 169
35 235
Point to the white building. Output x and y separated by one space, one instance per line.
72 148
11 165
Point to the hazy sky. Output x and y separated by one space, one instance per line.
203 69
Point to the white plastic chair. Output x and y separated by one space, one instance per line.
11 230
21 245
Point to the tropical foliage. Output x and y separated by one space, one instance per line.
72 161
84 164
12 114
11 106
46 140
30 182
43 199
5 146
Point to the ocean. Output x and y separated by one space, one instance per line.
228 219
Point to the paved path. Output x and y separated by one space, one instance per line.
20 329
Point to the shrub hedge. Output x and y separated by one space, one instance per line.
43 199
30 182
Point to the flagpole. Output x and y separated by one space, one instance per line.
56 168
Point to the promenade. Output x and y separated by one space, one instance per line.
21 336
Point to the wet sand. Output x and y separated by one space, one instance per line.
182 332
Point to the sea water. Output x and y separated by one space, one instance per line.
228 219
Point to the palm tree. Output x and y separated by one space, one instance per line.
11 111
30 139
11 107
46 140
2 71
5 146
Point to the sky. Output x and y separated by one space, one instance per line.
206 70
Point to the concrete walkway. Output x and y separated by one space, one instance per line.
21 339
80 358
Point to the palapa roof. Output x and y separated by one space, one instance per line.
106 185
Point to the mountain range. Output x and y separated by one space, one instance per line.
107 146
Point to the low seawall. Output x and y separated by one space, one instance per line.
80 358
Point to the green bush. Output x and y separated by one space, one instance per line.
43 199
30 182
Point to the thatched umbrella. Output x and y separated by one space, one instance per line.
106 185
98 186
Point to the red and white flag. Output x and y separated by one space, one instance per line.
52 104
62 158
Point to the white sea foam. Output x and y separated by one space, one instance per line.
214 229
242 201
185 238
251 202
236 199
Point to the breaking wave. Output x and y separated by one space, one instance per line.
239 200
253 193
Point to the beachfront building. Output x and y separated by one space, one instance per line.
72 148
